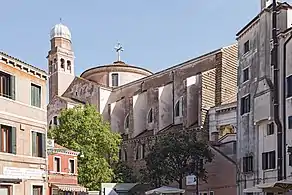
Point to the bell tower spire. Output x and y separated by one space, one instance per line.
60 60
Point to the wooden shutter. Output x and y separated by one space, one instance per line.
264 162
33 143
12 87
13 140
32 94
0 138
38 96
273 160
43 145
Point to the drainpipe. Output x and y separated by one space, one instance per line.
172 73
274 62
284 102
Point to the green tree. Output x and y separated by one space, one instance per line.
83 129
173 156
123 173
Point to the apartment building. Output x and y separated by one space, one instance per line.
23 128
63 174
263 152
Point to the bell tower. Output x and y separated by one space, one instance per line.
60 61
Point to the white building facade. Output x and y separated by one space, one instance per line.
258 160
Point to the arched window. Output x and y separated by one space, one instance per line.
127 122
62 63
50 66
55 120
178 108
137 154
142 148
120 154
55 64
69 65
125 157
150 116
50 125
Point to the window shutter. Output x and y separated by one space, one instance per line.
13 140
264 161
0 138
273 159
33 139
12 87
32 95
38 96
43 145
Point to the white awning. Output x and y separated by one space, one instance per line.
252 190
165 190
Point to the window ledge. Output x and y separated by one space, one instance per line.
21 103
269 170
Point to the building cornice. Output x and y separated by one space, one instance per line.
23 66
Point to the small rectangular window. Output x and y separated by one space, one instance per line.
289 86
57 164
247 164
269 160
35 95
72 166
270 129
245 74
211 193
37 190
7 85
246 47
7 139
289 122
245 104
38 144
115 79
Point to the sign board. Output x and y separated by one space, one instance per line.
191 180
50 144
23 173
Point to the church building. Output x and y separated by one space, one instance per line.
140 104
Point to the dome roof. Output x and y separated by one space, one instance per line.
60 30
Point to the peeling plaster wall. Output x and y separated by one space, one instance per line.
84 91
117 116
140 109
104 95
165 106
55 107
193 92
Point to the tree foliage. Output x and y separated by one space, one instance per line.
174 156
83 129
123 173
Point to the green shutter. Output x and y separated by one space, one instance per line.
12 87
0 138
43 145
33 143
13 140
39 97
32 95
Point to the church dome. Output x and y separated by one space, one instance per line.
60 30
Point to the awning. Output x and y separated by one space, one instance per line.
10 179
278 186
165 190
70 188
252 190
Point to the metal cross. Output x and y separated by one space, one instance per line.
119 49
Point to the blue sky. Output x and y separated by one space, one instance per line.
155 34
